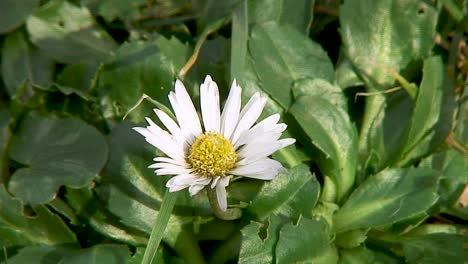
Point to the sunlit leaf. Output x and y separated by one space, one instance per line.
330 129
386 34
392 195
289 195
282 56
306 241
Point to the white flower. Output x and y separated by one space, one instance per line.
228 144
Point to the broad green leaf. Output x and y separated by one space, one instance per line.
308 241
288 195
388 129
357 255
54 152
391 196
139 68
330 130
346 75
36 254
259 241
79 77
282 56
19 229
92 211
113 9
5 136
209 11
432 114
14 12
297 14
351 239
133 193
23 63
68 33
321 88
102 253
453 166
380 35
434 248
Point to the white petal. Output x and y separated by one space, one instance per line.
257 167
259 135
162 141
231 110
267 175
183 124
169 160
221 192
255 151
171 125
249 115
215 181
182 181
188 110
194 189
172 171
209 100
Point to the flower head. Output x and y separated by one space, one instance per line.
229 143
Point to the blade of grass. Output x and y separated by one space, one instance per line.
159 226
240 34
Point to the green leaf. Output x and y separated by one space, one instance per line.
320 88
306 242
5 136
297 14
330 129
282 56
14 12
91 211
258 241
453 166
432 114
386 34
351 239
68 33
358 255
113 9
434 248
289 195
23 63
78 78
102 253
148 67
19 229
391 196
55 152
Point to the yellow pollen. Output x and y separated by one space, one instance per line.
212 155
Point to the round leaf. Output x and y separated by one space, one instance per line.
55 152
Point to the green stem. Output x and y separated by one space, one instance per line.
229 214
159 226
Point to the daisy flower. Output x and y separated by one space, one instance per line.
228 144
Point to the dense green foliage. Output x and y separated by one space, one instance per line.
374 91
